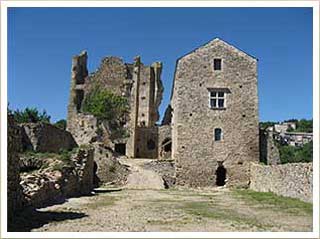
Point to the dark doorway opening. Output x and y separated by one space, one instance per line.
167 145
221 176
120 149
151 145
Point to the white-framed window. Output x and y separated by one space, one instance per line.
218 134
217 99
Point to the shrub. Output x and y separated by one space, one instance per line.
292 154
105 105
61 124
30 115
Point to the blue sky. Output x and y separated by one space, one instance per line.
42 41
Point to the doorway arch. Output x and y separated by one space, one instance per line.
221 175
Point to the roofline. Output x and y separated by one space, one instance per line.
192 51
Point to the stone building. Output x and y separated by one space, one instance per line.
139 83
215 131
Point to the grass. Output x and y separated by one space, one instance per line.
102 201
286 204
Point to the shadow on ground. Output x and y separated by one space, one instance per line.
33 218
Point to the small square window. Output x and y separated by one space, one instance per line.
217 64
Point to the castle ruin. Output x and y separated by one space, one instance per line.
211 127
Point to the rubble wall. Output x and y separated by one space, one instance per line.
43 137
289 180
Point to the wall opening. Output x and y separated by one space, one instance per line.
79 98
167 145
120 149
221 174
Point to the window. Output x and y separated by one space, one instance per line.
217 64
217 134
217 99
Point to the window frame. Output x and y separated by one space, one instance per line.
214 64
221 134
217 97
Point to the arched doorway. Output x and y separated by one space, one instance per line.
221 174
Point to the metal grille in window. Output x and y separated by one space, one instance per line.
217 99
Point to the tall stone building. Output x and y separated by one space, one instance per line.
214 101
139 83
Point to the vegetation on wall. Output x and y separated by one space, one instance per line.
30 115
292 154
108 108
265 125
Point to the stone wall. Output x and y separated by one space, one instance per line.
165 169
15 198
108 168
289 180
269 152
53 184
43 137
196 152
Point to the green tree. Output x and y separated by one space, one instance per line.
304 125
30 115
265 125
62 124
292 154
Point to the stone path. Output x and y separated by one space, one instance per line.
141 178
211 210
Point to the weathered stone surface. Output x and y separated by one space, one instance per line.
43 137
109 169
165 169
139 83
14 190
290 180
194 149
58 180
269 152
167 118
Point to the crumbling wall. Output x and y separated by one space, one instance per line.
108 168
269 152
50 185
289 180
147 142
14 190
43 137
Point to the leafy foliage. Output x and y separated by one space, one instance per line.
62 124
291 154
304 125
30 115
108 107
105 105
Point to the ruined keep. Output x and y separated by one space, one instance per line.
138 83
215 129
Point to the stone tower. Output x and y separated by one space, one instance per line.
139 83
215 129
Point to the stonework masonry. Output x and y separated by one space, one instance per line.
269 152
43 137
194 121
289 180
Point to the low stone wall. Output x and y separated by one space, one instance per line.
42 137
53 184
289 180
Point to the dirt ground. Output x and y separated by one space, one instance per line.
173 210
